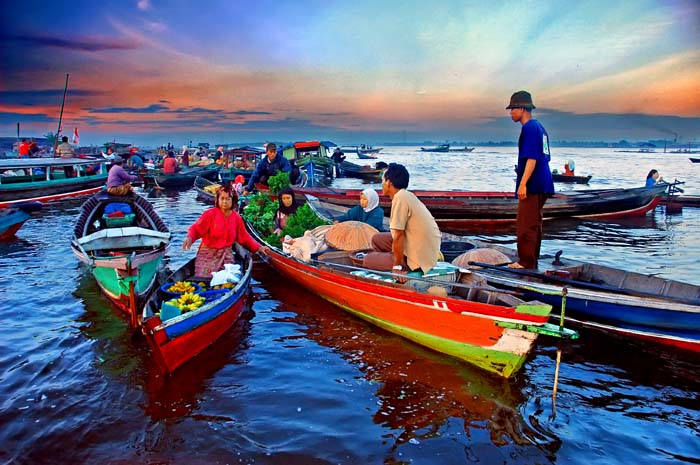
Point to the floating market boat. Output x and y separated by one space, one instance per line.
44 179
440 148
314 157
571 179
348 169
368 151
624 302
12 218
240 161
123 240
482 326
177 337
366 156
206 189
183 178
694 160
462 210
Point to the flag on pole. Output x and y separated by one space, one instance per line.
76 137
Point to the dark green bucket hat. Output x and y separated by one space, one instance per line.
521 99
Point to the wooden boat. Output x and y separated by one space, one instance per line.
462 210
628 303
440 148
482 326
558 177
682 200
368 150
123 253
240 161
206 189
465 149
694 160
183 178
366 156
43 179
177 340
12 218
351 170
314 157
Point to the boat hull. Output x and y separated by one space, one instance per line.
175 342
571 179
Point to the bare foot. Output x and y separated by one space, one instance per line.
516 266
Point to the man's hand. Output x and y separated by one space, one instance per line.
400 279
522 191
187 243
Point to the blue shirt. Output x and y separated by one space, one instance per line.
534 144
265 168
374 217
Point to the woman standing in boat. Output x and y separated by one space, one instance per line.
219 228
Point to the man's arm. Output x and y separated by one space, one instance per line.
529 168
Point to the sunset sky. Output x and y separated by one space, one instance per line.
152 72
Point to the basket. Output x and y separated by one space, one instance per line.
214 294
119 221
174 295
453 249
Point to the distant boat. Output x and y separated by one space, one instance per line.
465 149
12 218
44 179
558 177
439 148
694 160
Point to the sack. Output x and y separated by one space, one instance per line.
114 207
230 274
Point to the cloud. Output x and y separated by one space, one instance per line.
249 112
144 5
155 108
13 117
85 43
35 97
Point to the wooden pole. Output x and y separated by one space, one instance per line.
60 117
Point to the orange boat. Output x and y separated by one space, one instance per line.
483 326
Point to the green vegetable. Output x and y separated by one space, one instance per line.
278 182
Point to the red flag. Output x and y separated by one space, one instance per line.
76 137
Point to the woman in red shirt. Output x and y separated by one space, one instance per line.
219 228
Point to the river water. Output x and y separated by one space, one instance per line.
301 382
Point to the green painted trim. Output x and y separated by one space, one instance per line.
546 329
501 363
110 280
534 309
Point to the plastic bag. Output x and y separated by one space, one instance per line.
230 274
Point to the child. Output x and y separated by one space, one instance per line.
288 205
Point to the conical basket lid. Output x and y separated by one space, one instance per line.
488 256
350 236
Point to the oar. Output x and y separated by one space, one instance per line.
157 185
582 284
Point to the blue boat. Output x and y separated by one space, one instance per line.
628 303
176 338
12 218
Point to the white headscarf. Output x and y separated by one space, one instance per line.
372 199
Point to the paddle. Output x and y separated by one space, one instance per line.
582 284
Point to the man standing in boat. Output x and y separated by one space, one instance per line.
414 241
65 150
534 179
267 167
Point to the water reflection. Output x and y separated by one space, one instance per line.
419 391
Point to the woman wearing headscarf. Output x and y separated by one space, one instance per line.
288 205
368 211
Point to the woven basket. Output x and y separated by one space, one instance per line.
488 256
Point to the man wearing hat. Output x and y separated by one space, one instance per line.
534 179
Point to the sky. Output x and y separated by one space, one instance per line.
224 71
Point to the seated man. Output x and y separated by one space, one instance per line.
414 241
267 167
170 163
118 180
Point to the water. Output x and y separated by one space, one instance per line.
302 382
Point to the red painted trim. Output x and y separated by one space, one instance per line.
48 198
10 232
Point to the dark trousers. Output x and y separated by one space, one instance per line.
382 256
529 227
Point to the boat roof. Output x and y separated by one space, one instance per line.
14 163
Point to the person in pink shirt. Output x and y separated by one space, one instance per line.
219 228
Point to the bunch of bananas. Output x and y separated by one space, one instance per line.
181 286
212 188
188 302
227 285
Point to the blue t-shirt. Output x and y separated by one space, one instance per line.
651 182
534 144
265 168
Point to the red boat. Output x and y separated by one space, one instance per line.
485 327
177 340
459 210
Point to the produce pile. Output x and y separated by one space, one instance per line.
182 287
187 302
260 212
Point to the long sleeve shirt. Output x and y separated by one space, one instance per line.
265 168
218 230
118 176
373 218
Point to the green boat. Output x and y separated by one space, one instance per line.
123 240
